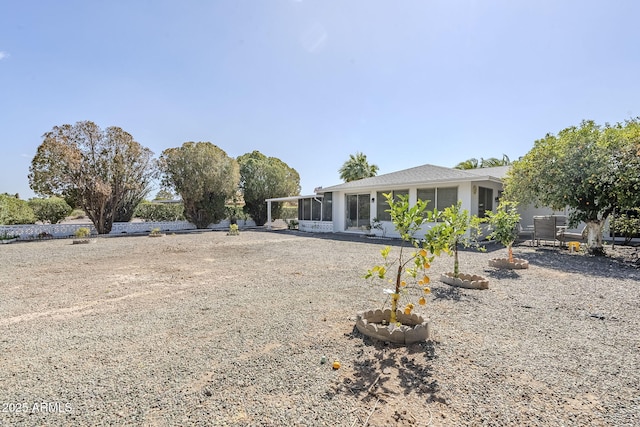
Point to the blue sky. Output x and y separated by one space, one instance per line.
310 82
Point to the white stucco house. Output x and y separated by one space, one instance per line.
352 206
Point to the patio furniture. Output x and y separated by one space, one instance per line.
548 228
526 233
574 236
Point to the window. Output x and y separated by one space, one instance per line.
312 209
439 198
382 205
446 197
428 195
358 207
327 207
485 201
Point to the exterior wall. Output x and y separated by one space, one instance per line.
316 226
31 231
465 195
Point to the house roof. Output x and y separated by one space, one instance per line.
425 174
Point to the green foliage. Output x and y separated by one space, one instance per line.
234 213
455 228
590 169
106 172
6 236
288 212
263 177
408 271
82 233
204 176
491 162
357 167
628 225
15 211
150 211
51 210
503 224
233 230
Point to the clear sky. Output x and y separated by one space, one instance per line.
312 81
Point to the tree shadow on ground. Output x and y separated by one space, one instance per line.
618 263
503 274
384 369
451 293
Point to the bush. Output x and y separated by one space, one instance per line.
51 210
627 225
288 212
15 211
82 233
235 213
150 211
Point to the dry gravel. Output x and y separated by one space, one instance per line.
208 329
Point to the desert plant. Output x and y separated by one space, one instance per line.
455 228
155 232
233 230
376 224
503 224
82 233
293 224
408 271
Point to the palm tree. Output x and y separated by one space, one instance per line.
468 164
491 162
356 168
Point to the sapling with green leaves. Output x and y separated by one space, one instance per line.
407 270
455 228
503 224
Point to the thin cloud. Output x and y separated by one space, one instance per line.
3 55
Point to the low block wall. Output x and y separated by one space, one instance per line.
34 231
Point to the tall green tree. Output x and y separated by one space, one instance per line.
102 170
590 169
263 177
13 210
204 176
357 167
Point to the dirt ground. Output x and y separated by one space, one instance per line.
208 329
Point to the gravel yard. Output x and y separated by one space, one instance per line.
209 329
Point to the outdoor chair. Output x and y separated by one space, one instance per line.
573 236
548 228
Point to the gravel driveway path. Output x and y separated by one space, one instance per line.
209 329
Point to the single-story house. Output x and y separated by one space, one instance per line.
354 206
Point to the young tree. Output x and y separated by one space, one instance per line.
204 176
503 224
102 170
454 228
357 167
589 169
263 177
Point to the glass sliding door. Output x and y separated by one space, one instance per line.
358 211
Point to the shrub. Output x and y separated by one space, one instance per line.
627 225
150 211
51 210
82 233
15 211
